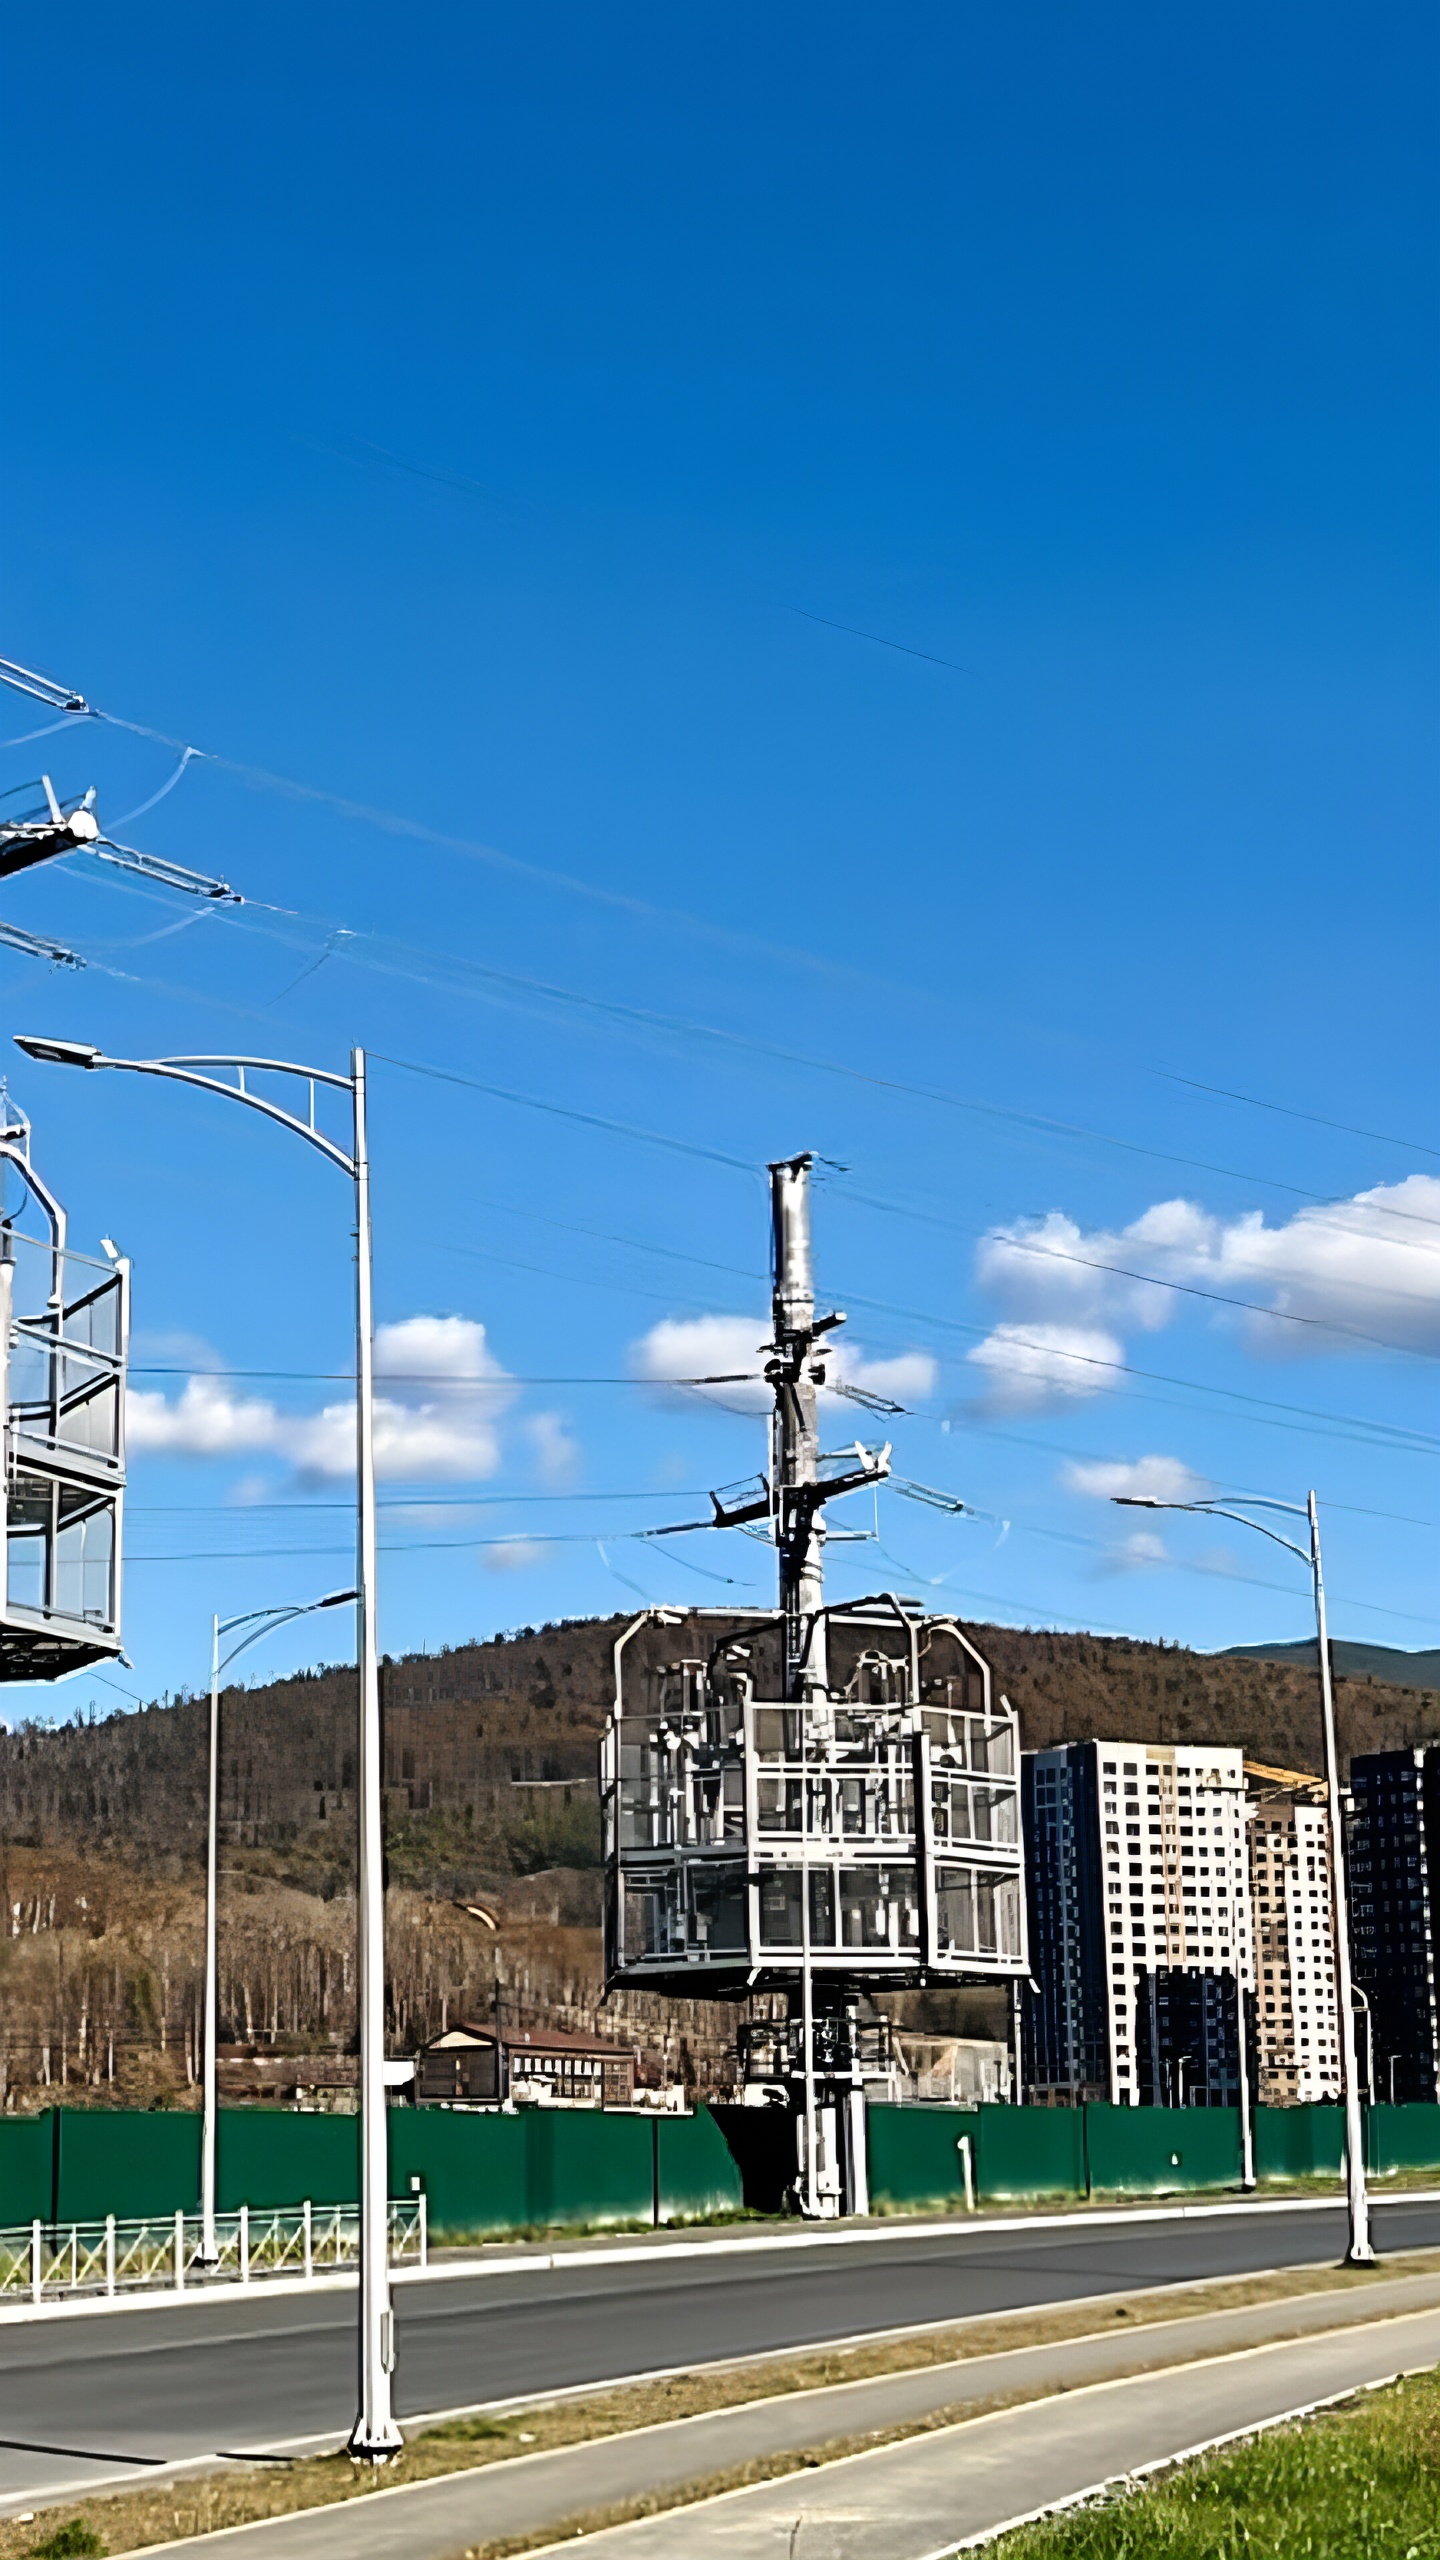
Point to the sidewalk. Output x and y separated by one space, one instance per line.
538 2493
958 2488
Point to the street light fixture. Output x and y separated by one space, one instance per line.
261 1622
1238 1507
375 2436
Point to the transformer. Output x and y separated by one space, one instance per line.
871 1828
808 1808
64 1335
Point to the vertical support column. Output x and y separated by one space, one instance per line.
179 2252
1360 2251
307 2214
110 2253
7 1293
209 2253
37 2261
375 2435
794 1467
795 1431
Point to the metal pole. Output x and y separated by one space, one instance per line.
796 1430
209 2252
795 1453
807 1994
1360 2251
375 2435
1247 2122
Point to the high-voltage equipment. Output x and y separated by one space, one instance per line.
820 1804
64 1332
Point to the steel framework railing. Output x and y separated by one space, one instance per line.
51 2261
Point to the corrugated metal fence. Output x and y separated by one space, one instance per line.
492 2175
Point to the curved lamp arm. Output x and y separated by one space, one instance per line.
80 1053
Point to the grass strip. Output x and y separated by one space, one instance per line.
208 2501
1353 2483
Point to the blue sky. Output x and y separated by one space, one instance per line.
886 562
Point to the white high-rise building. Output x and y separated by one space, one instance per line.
1297 2022
1141 1936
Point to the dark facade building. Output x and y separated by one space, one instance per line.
1187 2039
1393 1854
1066 2018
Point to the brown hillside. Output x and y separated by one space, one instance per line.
490 1748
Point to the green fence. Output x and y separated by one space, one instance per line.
551 2167
1299 2142
480 2174
1401 2138
695 2172
27 2168
1155 2150
915 2155
1029 2151
267 2156
136 2166
1033 2152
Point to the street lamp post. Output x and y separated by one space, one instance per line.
1360 2251
261 1623
375 2436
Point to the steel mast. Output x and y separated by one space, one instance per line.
796 1377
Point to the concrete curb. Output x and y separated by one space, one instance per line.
976 2226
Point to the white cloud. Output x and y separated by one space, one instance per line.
515 1555
1136 1552
206 1420
1367 1267
1029 1366
729 1347
1154 1479
439 1392
1371 1264
557 1453
732 1349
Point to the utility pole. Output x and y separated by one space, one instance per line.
799 1540
796 1375
793 1501
1361 2250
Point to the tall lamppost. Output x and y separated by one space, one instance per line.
375 2435
1360 2251
261 1622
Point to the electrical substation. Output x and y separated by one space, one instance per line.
807 1808
64 1338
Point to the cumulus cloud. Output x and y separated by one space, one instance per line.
1367 1267
438 1394
1153 1479
1134 1553
1029 1366
515 1555
556 1452
731 1350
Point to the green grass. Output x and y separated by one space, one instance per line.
1357 2483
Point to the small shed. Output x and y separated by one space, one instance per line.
484 2066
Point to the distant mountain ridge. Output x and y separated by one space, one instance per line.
1351 1661
490 1759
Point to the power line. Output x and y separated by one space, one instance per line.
342 940
65 700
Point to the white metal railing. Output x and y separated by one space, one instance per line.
49 2261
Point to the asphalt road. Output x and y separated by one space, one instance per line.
112 2395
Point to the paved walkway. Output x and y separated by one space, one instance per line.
895 2503
958 2487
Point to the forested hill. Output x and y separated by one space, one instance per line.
490 1748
